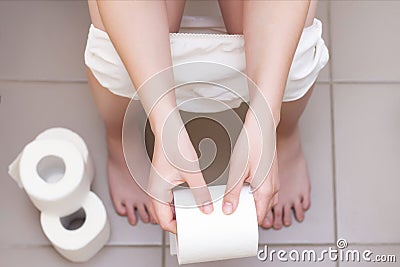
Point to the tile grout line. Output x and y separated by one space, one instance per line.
365 82
42 81
29 246
85 81
375 244
331 102
163 250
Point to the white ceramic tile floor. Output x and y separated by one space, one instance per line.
171 261
323 15
355 194
318 227
46 105
367 128
365 43
49 34
109 256
384 255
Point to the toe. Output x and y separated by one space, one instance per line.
287 215
132 219
299 211
275 199
268 220
149 208
278 217
119 207
143 213
306 202
153 220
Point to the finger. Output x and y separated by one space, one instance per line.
263 197
267 223
266 196
238 172
262 206
200 191
159 188
165 216
232 195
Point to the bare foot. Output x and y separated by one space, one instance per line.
294 193
128 198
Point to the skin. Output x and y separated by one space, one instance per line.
274 39
120 18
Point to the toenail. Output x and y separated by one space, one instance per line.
267 222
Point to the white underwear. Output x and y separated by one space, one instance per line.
310 57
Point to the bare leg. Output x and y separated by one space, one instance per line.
232 13
294 180
293 174
125 193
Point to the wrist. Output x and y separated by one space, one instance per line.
272 113
164 118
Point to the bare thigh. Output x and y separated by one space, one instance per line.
112 107
174 12
232 13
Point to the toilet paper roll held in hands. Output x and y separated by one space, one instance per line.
216 236
64 189
82 243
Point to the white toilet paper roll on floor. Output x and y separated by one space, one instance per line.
57 134
216 236
74 138
78 245
67 183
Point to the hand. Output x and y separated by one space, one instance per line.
254 166
175 163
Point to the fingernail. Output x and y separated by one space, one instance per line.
227 208
208 208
